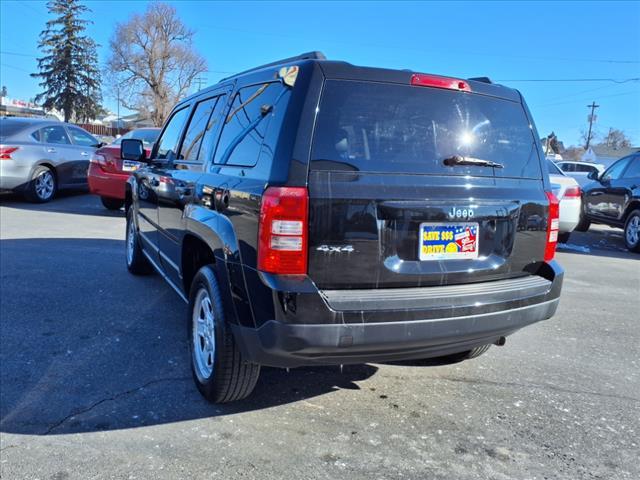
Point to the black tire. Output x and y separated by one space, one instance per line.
564 237
112 203
43 185
137 263
632 237
583 224
221 374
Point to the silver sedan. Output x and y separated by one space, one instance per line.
39 157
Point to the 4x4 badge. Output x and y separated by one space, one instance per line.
338 249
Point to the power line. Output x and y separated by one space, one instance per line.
14 67
4 52
582 100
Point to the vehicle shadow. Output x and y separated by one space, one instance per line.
85 346
78 202
598 241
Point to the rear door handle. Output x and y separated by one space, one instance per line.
51 150
84 154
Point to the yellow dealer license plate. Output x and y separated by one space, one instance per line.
448 241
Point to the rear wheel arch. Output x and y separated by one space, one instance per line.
195 254
50 166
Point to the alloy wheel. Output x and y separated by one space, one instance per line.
45 185
203 335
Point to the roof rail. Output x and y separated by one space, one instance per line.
303 56
481 79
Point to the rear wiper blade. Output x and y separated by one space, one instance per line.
477 162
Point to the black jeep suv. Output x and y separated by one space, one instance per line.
313 212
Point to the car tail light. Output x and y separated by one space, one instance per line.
6 151
552 227
98 159
572 192
282 232
423 80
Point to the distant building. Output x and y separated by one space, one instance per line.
607 155
13 107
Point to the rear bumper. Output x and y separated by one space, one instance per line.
14 175
106 184
432 331
569 214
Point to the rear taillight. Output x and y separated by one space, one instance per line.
422 80
282 232
553 226
6 151
572 192
98 159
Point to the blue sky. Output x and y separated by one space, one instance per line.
507 41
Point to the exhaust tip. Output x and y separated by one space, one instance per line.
500 341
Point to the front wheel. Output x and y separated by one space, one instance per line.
632 231
137 263
219 369
43 185
112 203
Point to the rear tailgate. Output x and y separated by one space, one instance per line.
385 210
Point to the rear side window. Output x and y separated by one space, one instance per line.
245 126
195 132
56 135
168 143
376 127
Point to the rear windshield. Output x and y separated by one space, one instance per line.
9 128
376 127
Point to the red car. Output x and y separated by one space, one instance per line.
108 173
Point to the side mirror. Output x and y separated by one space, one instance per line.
593 175
132 149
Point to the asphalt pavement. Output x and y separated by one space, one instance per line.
95 380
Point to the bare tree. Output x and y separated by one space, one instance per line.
153 63
588 137
616 139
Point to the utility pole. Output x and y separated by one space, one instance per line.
593 107
199 80
118 120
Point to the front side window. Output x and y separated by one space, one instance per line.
245 126
615 171
197 129
168 143
634 169
56 135
80 137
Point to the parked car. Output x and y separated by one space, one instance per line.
580 170
312 212
108 173
39 157
613 199
567 190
